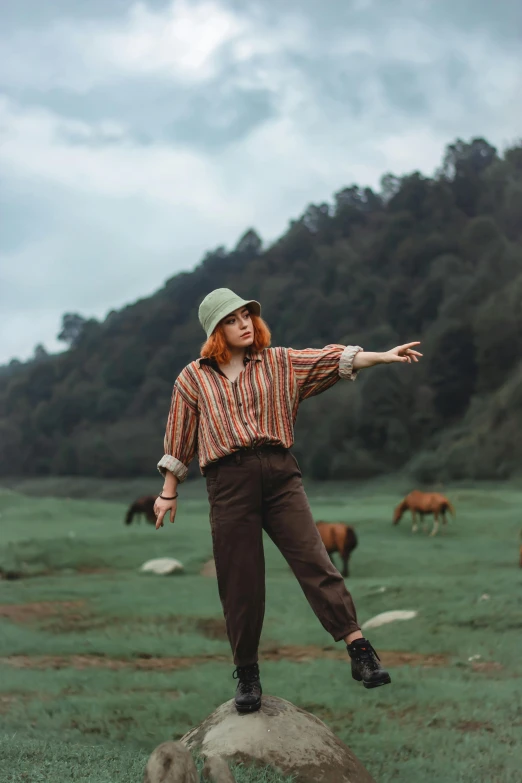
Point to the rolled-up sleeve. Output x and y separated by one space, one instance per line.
317 369
181 433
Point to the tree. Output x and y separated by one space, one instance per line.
463 159
453 369
72 327
40 354
390 185
463 164
250 244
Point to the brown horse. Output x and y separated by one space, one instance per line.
143 505
422 503
338 537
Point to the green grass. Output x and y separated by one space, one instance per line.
447 724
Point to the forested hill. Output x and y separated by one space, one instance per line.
437 259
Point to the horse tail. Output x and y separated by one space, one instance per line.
399 511
350 541
130 513
451 509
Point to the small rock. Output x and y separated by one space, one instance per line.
163 566
484 597
474 657
216 770
389 617
171 762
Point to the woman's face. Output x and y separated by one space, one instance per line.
238 328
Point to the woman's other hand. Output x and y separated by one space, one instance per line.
403 353
161 508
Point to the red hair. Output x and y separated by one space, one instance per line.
216 346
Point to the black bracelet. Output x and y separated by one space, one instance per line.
172 498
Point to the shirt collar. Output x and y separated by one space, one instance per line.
250 356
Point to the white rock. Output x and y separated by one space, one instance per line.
389 617
163 566
484 597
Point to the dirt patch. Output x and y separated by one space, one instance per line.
413 659
94 570
172 695
298 654
70 622
405 713
209 569
474 725
144 663
486 666
54 572
26 613
147 662
212 628
6 700
9 699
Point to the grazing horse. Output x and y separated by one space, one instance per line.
422 503
143 505
338 537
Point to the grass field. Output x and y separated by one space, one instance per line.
99 663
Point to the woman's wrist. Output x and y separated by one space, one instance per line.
364 359
170 485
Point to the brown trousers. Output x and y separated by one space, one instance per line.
261 489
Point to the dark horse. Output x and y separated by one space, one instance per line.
143 505
338 537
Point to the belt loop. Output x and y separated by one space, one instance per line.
237 457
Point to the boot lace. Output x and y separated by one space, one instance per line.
368 655
248 677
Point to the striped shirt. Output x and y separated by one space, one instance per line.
214 416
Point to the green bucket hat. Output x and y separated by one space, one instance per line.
220 303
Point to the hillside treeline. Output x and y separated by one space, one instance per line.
437 259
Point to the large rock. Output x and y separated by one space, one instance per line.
282 736
216 770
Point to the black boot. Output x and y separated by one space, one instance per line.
366 664
248 691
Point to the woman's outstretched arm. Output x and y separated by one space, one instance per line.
402 353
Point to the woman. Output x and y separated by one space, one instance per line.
236 406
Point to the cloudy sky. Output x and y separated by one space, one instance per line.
134 136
